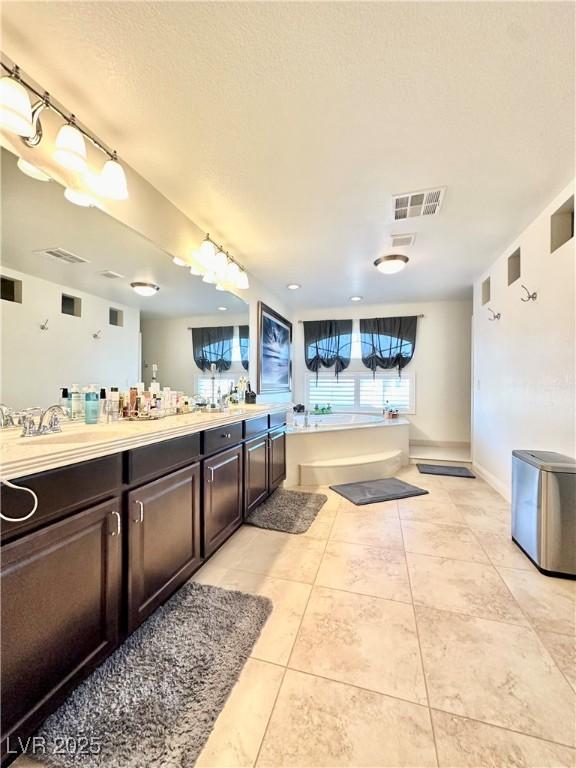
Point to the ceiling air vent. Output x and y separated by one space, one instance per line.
59 254
402 241
413 204
110 275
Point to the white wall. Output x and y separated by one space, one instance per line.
168 342
441 364
524 382
36 364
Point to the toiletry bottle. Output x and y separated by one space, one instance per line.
65 401
91 407
114 406
103 410
75 402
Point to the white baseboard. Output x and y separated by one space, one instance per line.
498 485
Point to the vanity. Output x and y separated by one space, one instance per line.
124 518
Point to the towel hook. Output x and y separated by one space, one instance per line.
44 325
97 335
495 315
529 296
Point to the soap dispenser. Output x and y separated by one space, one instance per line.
91 407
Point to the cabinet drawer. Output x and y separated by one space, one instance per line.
59 492
219 438
159 458
254 427
277 419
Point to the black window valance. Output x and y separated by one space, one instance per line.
327 343
244 338
388 342
213 345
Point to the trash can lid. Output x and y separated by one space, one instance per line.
548 461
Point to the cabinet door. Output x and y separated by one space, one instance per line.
60 613
223 497
277 460
255 472
163 540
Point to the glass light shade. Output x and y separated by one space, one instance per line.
210 277
112 181
179 262
243 283
391 266
206 253
31 170
70 149
145 289
15 107
78 197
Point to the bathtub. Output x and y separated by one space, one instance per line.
345 447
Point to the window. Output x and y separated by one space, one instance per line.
116 317
562 225
71 305
362 391
204 386
12 290
514 267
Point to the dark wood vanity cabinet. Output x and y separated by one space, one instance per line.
61 590
256 453
277 458
164 547
223 497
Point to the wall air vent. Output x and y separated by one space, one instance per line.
402 241
413 204
110 275
59 254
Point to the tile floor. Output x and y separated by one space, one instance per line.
404 634
409 633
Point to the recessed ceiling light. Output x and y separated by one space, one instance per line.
355 298
391 264
293 286
223 309
145 289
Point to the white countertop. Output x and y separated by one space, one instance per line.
21 456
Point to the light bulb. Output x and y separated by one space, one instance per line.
243 282
111 183
70 149
31 170
15 107
78 197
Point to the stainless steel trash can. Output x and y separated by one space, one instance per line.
544 510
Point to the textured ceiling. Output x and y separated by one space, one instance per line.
284 128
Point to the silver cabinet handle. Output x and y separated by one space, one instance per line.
141 506
255 447
227 435
211 478
118 525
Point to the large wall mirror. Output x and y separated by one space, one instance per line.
70 316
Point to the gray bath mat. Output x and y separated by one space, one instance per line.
371 491
438 469
155 700
288 511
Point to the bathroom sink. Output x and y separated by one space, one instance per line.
72 437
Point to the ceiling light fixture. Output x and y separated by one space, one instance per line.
355 298
293 286
391 264
70 149
32 170
223 309
145 289
179 262
18 115
15 106
79 197
217 267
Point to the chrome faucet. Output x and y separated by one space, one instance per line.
6 416
29 428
